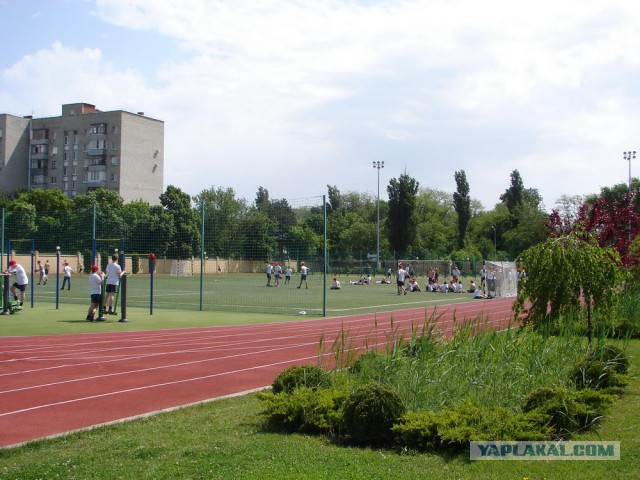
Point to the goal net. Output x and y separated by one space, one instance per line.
502 279
424 268
181 268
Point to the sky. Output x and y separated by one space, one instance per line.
296 95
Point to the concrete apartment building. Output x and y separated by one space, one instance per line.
82 150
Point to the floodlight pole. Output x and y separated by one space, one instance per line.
628 156
495 244
378 165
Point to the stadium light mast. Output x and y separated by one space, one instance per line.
495 244
628 156
378 165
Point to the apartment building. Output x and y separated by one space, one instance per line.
82 150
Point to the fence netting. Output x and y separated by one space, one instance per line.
218 255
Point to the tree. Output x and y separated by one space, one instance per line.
436 225
223 213
401 220
563 274
335 200
462 205
46 200
613 218
177 204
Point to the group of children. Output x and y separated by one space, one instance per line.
274 269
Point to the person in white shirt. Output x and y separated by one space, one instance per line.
304 270
287 275
335 284
444 288
269 271
95 280
402 274
114 272
478 293
21 281
414 286
66 280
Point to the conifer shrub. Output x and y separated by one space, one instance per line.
599 370
613 356
310 376
370 411
305 410
451 429
566 411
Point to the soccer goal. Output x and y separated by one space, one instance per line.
423 268
505 279
181 268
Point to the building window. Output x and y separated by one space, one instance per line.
114 145
54 179
114 160
65 170
114 177
53 164
73 186
65 186
98 128
66 138
115 129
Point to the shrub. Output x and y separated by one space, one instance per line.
305 410
595 374
370 411
613 356
566 411
310 376
453 428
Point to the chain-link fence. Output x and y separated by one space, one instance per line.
218 256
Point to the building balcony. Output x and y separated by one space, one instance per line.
39 141
40 156
39 171
96 151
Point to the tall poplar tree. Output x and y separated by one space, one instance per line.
462 205
401 219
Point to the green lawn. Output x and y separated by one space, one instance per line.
226 299
227 439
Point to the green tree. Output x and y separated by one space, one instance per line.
223 213
335 199
258 239
177 204
565 273
401 219
46 200
21 222
436 224
462 205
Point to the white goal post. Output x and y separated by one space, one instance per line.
181 268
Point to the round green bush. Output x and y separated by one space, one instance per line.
370 411
594 373
310 376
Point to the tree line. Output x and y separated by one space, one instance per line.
415 222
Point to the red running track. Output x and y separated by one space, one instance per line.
55 384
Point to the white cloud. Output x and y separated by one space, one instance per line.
292 95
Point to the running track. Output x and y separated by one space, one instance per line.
55 384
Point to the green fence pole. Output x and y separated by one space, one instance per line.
201 255
324 276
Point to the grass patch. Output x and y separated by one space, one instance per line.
228 439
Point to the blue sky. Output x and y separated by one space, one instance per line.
294 95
